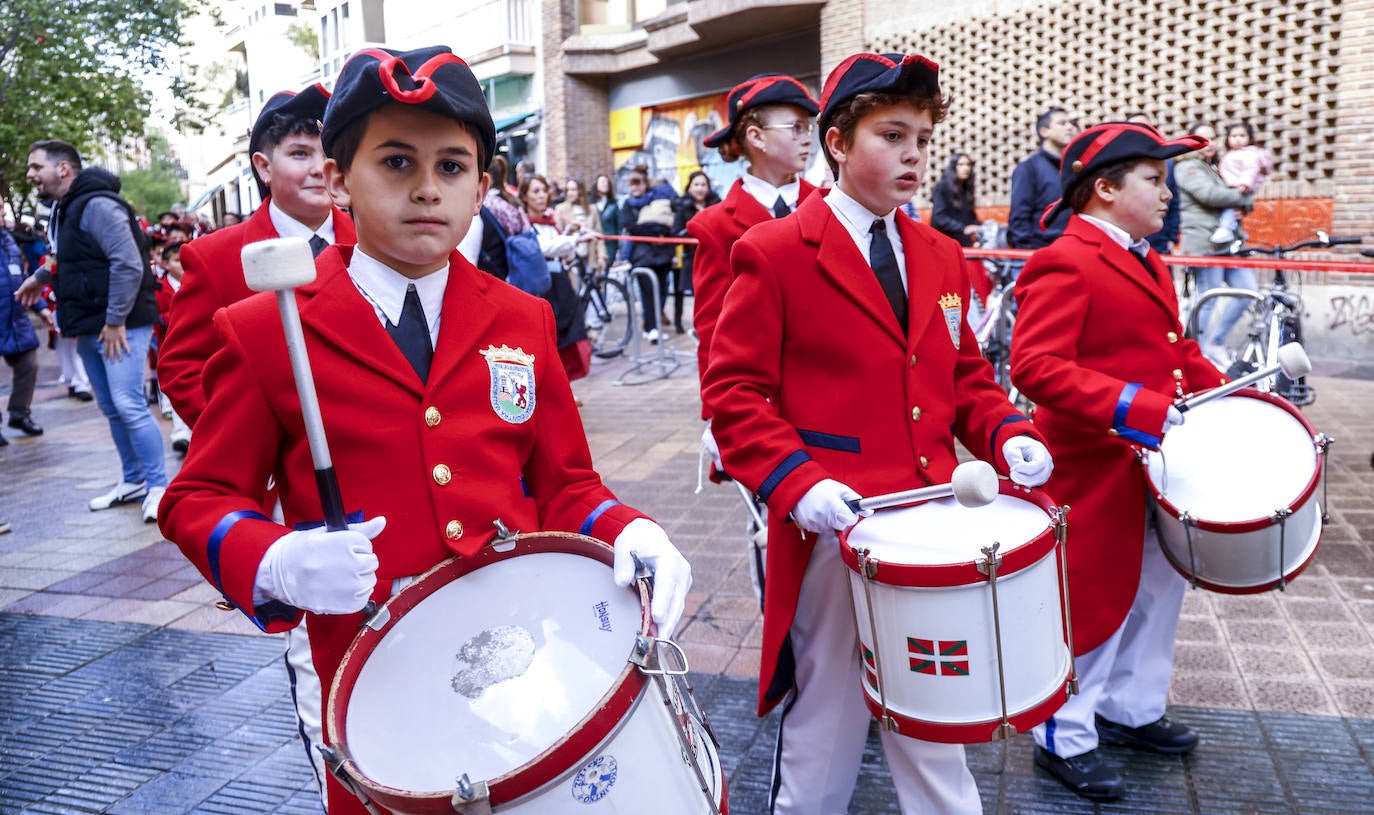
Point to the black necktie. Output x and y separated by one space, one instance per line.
317 245
412 334
884 262
780 208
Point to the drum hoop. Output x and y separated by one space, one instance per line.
553 763
965 573
973 732
1255 524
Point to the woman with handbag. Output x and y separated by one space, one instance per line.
574 349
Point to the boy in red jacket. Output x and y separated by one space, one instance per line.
400 327
843 364
1100 351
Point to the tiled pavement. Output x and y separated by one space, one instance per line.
122 689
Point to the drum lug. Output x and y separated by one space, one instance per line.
469 798
1004 731
647 655
378 619
505 539
334 761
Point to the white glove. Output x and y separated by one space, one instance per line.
1172 419
708 441
823 508
646 540
1028 461
321 571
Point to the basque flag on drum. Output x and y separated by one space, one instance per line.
942 657
870 667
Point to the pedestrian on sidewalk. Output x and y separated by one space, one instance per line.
1100 351
18 340
826 304
400 326
106 299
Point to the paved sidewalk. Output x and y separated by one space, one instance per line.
122 689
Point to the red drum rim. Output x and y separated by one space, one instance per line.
550 765
1236 527
971 732
1257 588
963 573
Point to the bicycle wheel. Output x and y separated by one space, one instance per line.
607 309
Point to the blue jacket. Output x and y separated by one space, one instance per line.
1034 186
16 332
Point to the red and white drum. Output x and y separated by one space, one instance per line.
1237 485
513 681
953 650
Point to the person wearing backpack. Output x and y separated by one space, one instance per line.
106 296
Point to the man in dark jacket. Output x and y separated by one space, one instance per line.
18 342
106 298
1035 184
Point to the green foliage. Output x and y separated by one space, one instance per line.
70 70
304 36
156 188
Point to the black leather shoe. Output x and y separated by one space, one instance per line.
25 425
1087 774
1163 736
80 396
4 442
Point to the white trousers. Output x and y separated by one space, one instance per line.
73 371
825 721
1126 678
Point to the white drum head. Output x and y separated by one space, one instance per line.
489 671
1235 459
943 531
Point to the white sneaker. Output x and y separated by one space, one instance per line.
123 493
1223 235
150 504
652 336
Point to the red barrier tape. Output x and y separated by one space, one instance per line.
1292 263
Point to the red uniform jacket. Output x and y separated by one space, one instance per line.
1099 349
438 459
213 279
810 378
717 228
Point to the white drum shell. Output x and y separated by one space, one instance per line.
1033 642
1233 467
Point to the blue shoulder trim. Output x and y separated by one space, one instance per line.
829 441
1123 407
586 527
1012 419
780 472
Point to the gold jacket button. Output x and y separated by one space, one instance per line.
1112 431
925 462
911 363
432 416
454 530
442 474
1173 336
1178 374
916 414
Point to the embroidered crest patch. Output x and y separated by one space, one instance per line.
512 382
951 306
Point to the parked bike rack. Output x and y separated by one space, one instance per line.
664 359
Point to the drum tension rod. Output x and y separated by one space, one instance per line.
505 539
1281 515
868 569
1324 443
1187 521
469 798
991 561
1060 520
334 761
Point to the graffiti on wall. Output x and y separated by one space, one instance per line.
1351 312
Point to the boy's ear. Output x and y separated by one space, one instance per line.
263 164
336 181
1104 189
834 142
482 188
753 135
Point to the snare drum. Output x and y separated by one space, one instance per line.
524 681
1237 485
954 650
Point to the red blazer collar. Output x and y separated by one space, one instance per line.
260 228
1159 285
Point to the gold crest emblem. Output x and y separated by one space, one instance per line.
951 305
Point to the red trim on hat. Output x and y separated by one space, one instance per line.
837 75
1098 144
322 89
758 86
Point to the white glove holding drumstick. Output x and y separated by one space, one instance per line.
644 541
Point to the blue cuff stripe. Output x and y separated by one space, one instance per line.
1123 407
1012 419
352 518
217 536
586 528
780 472
525 488
828 441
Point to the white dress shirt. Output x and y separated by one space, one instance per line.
858 219
385 289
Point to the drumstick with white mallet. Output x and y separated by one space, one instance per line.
1293 363
973 484
283 265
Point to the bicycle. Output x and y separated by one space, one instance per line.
607 309
992 328
1275 319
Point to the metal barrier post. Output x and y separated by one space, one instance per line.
665 359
